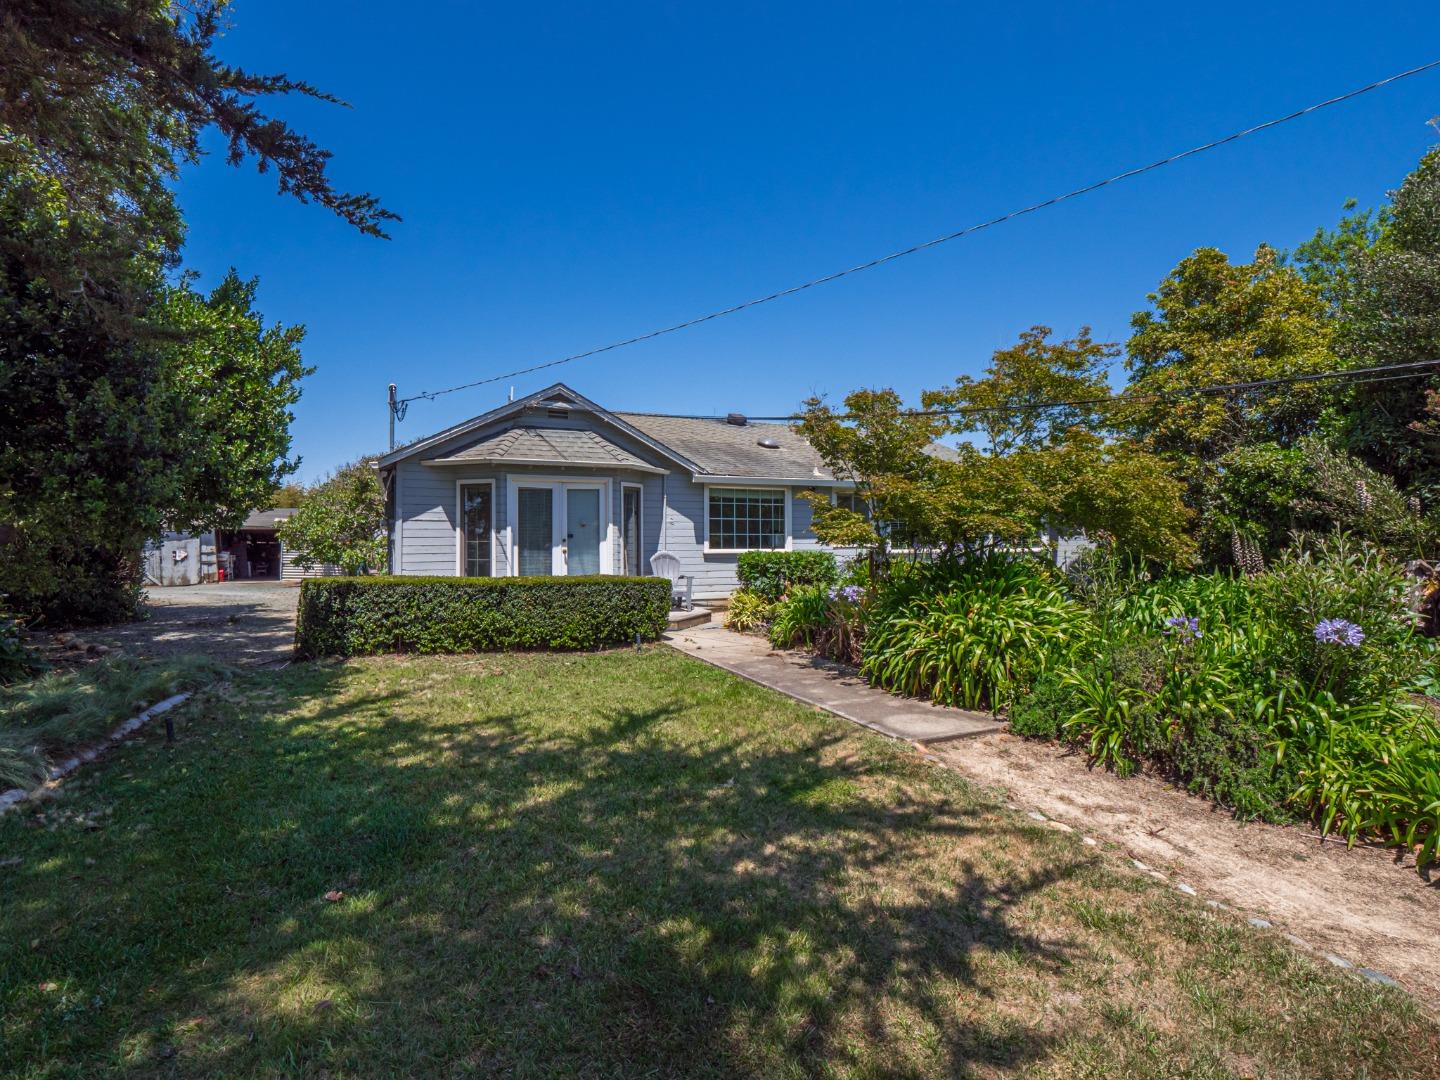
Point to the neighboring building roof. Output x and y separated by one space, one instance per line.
547 446
721 448
267 519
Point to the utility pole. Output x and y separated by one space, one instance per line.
392 416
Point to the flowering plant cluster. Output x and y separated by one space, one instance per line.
851 594
1338 632
1185 626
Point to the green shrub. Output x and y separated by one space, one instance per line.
364 616
1338 577
1041 711
748 611
769 574
971 633
16 661
797 618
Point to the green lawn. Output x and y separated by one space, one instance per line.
611 865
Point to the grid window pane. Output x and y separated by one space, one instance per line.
747 519
537 519
475 527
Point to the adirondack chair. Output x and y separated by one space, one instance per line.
666 565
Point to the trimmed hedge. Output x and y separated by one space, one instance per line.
769 573
362 616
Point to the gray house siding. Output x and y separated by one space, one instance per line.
673 505
673 512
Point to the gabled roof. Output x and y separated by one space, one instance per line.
546 446
721 448
703 447
555 392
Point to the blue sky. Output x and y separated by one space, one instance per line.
572 174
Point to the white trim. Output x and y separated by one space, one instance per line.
767 481
399 567
705 547
460 528
557 485
639 527
547 462
535 400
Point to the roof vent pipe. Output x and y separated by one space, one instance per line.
738 419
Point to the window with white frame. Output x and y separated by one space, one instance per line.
475 526
746 519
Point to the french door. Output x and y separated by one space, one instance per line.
560 527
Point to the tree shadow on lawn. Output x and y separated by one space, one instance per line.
628 891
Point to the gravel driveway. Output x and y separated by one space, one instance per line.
238 622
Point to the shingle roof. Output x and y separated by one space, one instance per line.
724 449
547 446
267 519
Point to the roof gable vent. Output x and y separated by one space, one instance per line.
738 419
557 414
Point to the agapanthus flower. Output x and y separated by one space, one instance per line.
1338 632
1187 626
849 593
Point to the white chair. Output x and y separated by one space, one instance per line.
666 565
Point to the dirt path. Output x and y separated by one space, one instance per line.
1363 905
238 622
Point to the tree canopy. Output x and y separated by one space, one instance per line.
106 441
341 521
101 102
1390 314
1215 322
1039 468
130 401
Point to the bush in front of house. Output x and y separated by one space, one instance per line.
365 616
769 574
748 611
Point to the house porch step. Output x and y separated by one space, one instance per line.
679 620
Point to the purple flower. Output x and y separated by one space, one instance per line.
1338 632
1187 626
852 594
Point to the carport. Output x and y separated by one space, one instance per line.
252 552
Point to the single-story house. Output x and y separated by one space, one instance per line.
553 483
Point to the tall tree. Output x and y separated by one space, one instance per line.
341 521
1330 260
129 402
1012 406
1391 315
101 101
106 441
1042 466
1214 322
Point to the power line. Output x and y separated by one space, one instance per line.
968 230
1360 376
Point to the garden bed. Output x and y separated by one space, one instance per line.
1294 694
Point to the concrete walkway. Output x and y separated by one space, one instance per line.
829 686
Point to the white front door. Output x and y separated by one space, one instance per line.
560 527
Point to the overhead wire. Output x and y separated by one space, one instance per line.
870 264
1382 373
